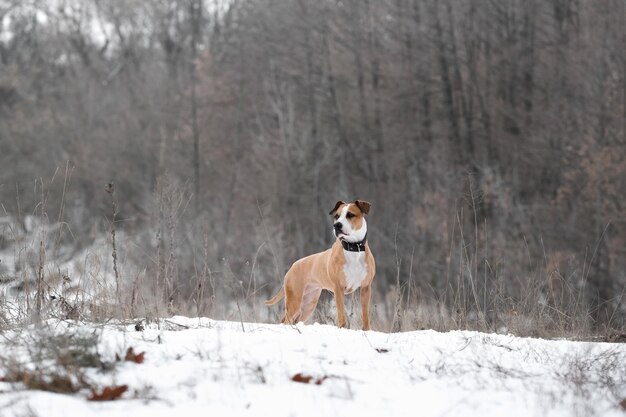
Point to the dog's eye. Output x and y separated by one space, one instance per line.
336 216
349 215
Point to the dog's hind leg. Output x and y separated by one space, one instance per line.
293 304
309 301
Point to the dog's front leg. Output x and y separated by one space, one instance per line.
365 305
341 314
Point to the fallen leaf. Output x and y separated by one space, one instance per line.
108 393
299 377
305 379
131 356
623 403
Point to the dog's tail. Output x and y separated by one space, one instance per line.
279 296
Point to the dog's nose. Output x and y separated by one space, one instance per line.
338 226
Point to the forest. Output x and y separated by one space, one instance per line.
213 136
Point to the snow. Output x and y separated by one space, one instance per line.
201 367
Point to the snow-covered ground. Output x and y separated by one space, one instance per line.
201 367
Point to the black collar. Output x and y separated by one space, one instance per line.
354 247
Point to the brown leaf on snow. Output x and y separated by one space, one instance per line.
108 393
131 356
623 404
300 377
305 379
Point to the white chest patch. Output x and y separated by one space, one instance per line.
355 269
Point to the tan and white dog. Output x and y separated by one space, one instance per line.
346 266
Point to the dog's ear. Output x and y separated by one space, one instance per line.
364 206
334 210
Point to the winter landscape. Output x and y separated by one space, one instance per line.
459 167
205 367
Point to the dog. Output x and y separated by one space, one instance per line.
346 266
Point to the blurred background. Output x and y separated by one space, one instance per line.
489 136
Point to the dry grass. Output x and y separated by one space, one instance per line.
47 361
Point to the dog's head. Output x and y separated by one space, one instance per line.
349 220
